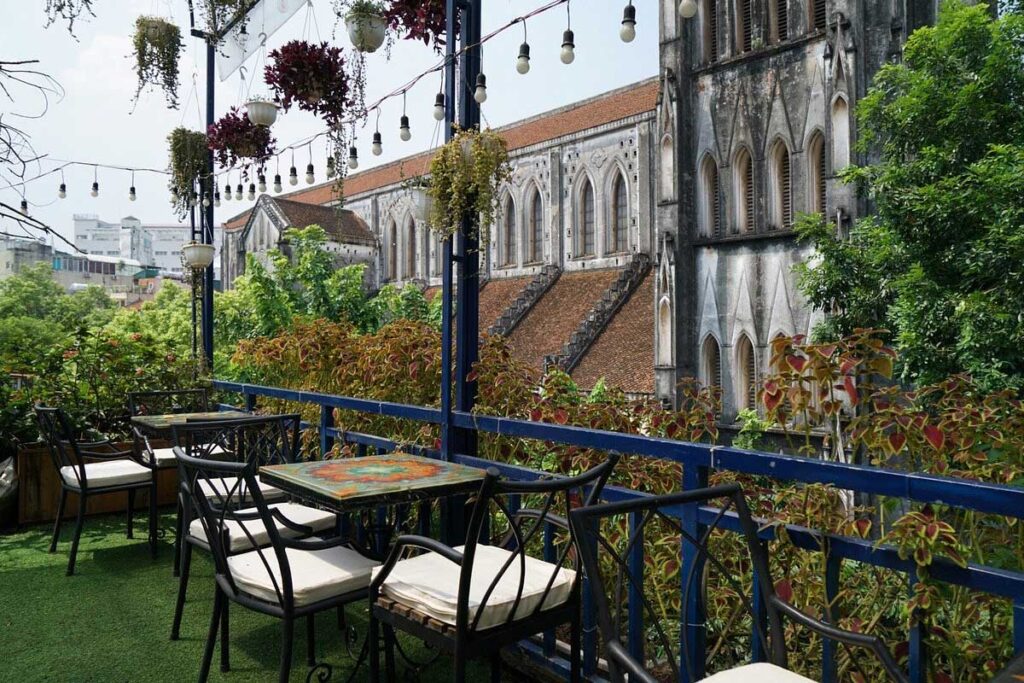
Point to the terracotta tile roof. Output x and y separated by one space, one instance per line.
624 352
556 316
340 224
496 296
604 108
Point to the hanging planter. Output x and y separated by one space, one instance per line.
197 255
261 112
367 25
216 14
311 77
235 138
187 150
419 20
465 176
157 43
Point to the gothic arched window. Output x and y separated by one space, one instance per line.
816 165
779 20
840 134
744 25
536 235
816 10
782 187
710 25
746 374
618 240
585 229
508 234
743 182
391 252
410 250
710 212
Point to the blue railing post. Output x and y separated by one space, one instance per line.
326 422
1018 625
693 626
918 648
759 627
635 603
833 564
250 402
589 632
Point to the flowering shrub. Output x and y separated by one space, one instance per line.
235 138
310 76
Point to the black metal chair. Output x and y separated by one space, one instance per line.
264 440
294 575
475 599
91 468
174 401
611 576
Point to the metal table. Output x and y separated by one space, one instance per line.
161 426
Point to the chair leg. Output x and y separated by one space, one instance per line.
575 650
178 532
225 639
496 667
60 518
153 518
131 512
311 640
179 608
373 636
287 635
389 652
211 636
459 668
78 533
342 622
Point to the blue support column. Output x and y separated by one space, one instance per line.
207 189
693 626
759 627
635 605
1018 625
326 422
833 564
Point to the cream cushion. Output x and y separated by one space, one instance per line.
760 672
108 473
164 457
317 520
316 574
223 488
429 583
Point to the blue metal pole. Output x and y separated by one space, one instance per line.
692 633
206 187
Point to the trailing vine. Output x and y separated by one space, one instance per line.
235 138
187 150
465 175
311 77
67 10
215 14
157 43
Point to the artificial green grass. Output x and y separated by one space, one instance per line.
111 621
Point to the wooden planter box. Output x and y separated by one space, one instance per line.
39 489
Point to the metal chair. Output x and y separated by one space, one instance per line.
294 575
89 469
174 401
614 568
474 599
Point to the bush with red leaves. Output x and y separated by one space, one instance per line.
419 20
311 77
234 138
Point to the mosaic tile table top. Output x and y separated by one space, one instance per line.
161 425
348 483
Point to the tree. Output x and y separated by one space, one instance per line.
941 264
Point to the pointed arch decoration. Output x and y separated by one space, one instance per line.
743 182
391 251
710 204
840 134
746 374
667 165
816 175
411 251
509 229
586 230
782 186
618 216
535 227
711 362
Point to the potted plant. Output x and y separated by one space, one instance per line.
465 176
419 20
234 138
187 150
157 43
366 23
261 111
312 77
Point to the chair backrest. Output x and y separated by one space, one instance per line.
264 439
618 540
59 435
168 402
529 519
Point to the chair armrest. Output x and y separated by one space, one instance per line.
412 541
550 517
635 670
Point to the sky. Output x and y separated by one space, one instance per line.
96 121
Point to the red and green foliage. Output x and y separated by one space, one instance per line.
419 20
311 77
235 138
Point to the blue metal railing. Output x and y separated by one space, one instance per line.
698 460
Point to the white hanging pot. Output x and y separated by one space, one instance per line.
197 255
366 31
261 112
421 204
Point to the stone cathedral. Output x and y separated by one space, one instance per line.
646 234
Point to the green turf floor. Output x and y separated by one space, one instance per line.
110 622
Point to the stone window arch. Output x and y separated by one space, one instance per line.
535 227
436 250
709 25
711 362
710 206
618 215
816 16
665 330
744 25
840 134
746 374
586 231
411 252
509 231
666 178
778 20
743 185
391 251
782 186
816 176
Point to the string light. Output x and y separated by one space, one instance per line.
227 188
523 61
331 171
174 195
310 178
377 147
277 177
216 192
480 94
353 157
568 55
403 125
627 32
131 190
238 191
687 9
24 206
95 191
62 191
206 200
252 191
439 107
293 173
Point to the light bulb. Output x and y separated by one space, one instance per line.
293 176
227 191
403 129
216 198
174 196
277 183
331 171
377 147
206 200
262 183
353 157
568 48
628 29
238 192
131 193
194 199
523 62
95 191
310 178
24 207
63 191
480 94
687 9
439 107
252 191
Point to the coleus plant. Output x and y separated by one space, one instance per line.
235 138
312 77
424 21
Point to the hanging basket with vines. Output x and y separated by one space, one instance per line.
187 150
419 20
216 14
465 176
312 77
235 139
157 43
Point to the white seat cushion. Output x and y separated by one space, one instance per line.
221 489
316 574
165 456
317 520
429 583
108 473
760 672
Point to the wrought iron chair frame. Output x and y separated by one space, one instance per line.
66 450
586 523
213 518
463 640
136 401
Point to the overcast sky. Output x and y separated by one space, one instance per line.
95 121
